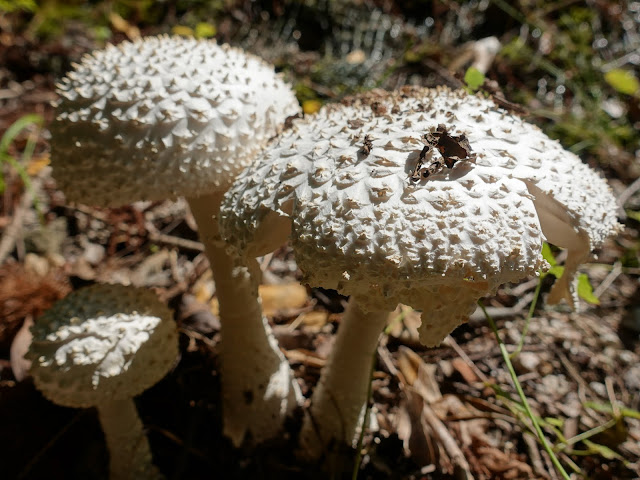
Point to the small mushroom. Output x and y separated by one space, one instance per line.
99 347
454 198
168 116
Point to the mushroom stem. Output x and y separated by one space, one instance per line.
258 387
338 398
129 452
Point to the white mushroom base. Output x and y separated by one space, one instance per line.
258 387
337 401
129 452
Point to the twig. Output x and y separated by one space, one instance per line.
608 382
461 466
198 336
300 356
609 279
266 260
576 376
628 192
534 455
450 342
9 93
300 318
484 415
483 405
10 234
178 441
158 237
385 357
502 312
524 287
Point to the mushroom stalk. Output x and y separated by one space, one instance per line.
341 392
258 387
129 452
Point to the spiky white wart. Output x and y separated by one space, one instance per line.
163 116
102 343
361 221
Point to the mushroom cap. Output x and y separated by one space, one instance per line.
102 343
162 117
340 183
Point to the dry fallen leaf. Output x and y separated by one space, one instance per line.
406 326
426 438
282 297
305 357
464 370
356 57
24 293
314 320
37 163
276 299
419 374
131 31
416 435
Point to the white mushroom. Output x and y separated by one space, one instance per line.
99 347
169 116
431 198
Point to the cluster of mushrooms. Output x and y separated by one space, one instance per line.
427 197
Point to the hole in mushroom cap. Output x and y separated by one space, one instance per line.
415 166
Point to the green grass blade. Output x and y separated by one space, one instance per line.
365 420
523 398
20 167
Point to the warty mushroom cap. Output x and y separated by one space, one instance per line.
341 183
163 117
102 343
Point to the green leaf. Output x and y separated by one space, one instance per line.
8 137
20 165
556 422
205 30
547 254
182 30
585 290
12 132
634 215
623 81
603 451
473 78
10 6
556 271
629 412
624 411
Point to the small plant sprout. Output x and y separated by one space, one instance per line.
100 347
163 117
20 166
453 198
